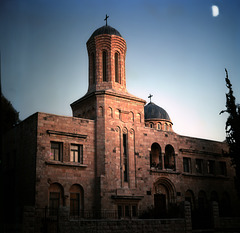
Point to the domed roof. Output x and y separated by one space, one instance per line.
106 30
152 111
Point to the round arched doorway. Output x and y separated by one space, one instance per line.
164 197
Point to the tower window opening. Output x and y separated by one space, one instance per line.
93 68
125 158
104 64
117 68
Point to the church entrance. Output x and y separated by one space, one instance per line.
160 205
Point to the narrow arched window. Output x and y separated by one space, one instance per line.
117 68
93 68
104 65
166 127
169 158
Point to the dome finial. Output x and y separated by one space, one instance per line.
107 16
150 97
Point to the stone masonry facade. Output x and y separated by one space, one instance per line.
109 157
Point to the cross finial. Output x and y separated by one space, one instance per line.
107 16
150 97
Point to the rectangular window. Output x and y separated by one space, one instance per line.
223 168
186 164
127 210
211 167
199 166
120 211
76 153
134 211
56 151
125 158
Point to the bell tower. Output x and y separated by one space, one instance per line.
117 115
106 54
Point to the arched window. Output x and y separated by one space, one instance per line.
214 196
55 198
151 125
110 112
138 118
117 113
93 70
169 158
159 126
166 127
100 111
189 196
104 65
156 156
125 156
202 201
76 200
117 76
132 116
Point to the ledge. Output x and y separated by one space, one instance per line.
67 134
164 171
67 164
205 176
126 197
193 152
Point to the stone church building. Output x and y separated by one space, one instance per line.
117 155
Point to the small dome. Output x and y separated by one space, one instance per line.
105 30
152 111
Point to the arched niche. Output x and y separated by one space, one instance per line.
156 156
169 157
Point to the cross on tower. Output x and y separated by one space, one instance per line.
150 96
107 16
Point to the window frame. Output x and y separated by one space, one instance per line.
187 165
222 168
53 150
127 210
211 167
76 152
199 169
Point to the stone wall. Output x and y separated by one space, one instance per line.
126 226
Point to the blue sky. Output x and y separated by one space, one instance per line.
176 50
